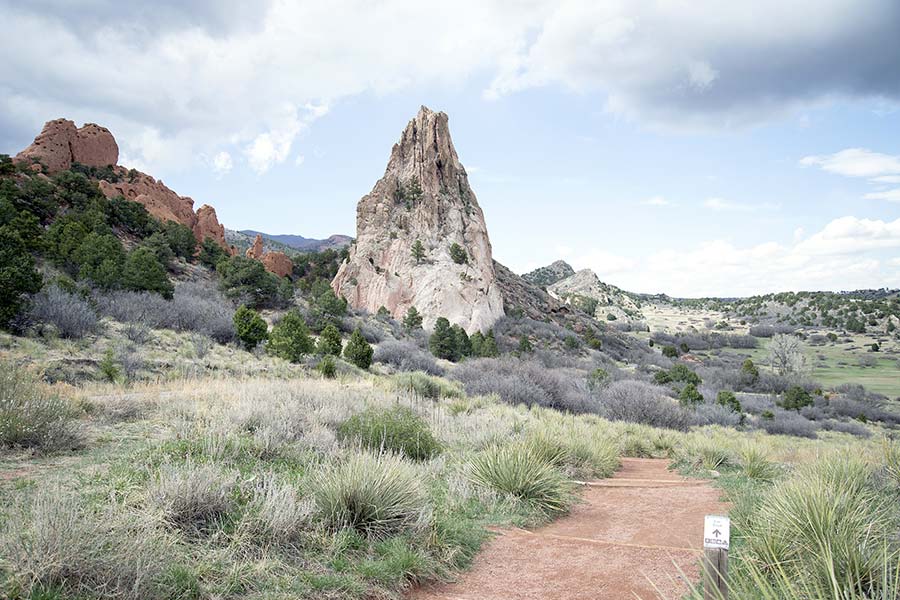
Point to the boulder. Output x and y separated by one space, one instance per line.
60 144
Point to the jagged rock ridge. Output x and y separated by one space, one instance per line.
423 196
610 300
60 145
544 276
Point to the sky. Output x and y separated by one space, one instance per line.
691 147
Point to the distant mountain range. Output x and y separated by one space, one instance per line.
289 244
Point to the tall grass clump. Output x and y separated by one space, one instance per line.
826 528
579 451
523 471
891 451
276 513
53 547
193 497
755 463
397 429
427 386
375 494
32 417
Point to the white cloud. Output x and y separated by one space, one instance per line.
859 162
199 75
299 160
842 255
222 163
855 162
722 205
657 201
889 195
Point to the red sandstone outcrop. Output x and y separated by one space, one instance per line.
278 263
424 196
60 144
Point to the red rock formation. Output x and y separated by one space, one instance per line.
60 144
278 263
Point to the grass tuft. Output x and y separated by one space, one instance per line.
31 417
397 429
375 494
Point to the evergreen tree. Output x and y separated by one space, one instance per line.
159 245
442 342
358 351
796 398
211 253
243 277
329 341
477 341
728 399
100 258
144 272
458 254
289 338
749 372
489 346
690 395
17 275
412 320
461 342
181 239
418 251
249 327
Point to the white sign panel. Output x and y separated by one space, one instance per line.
716 532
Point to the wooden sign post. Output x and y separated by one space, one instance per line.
716 539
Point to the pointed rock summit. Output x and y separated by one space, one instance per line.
421 239
278 263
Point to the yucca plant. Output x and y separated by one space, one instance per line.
523 473
891 451
375 494
755 464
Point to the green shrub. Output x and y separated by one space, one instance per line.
131 216
418 251
249 327
144 272
109 369
690 395
211 253
18 276
243 277
31 417
521 472
181 240
100 259
358 351
728 399
426 386
795 398
377 495
329 341
327 367
670 351
398 429
525 345
458 254
289 338
749 371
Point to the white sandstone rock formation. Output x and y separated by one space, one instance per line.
423 196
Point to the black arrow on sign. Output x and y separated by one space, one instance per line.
716 532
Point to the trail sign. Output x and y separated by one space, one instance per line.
716 532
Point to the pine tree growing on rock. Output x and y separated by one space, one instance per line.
418 251
412 320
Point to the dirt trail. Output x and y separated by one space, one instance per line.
627 539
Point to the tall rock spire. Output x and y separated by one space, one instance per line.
424 196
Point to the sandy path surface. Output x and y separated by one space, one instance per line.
632 536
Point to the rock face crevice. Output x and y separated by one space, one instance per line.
425 197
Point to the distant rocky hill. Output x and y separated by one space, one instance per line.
606 302
298 242
545 276
421 236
